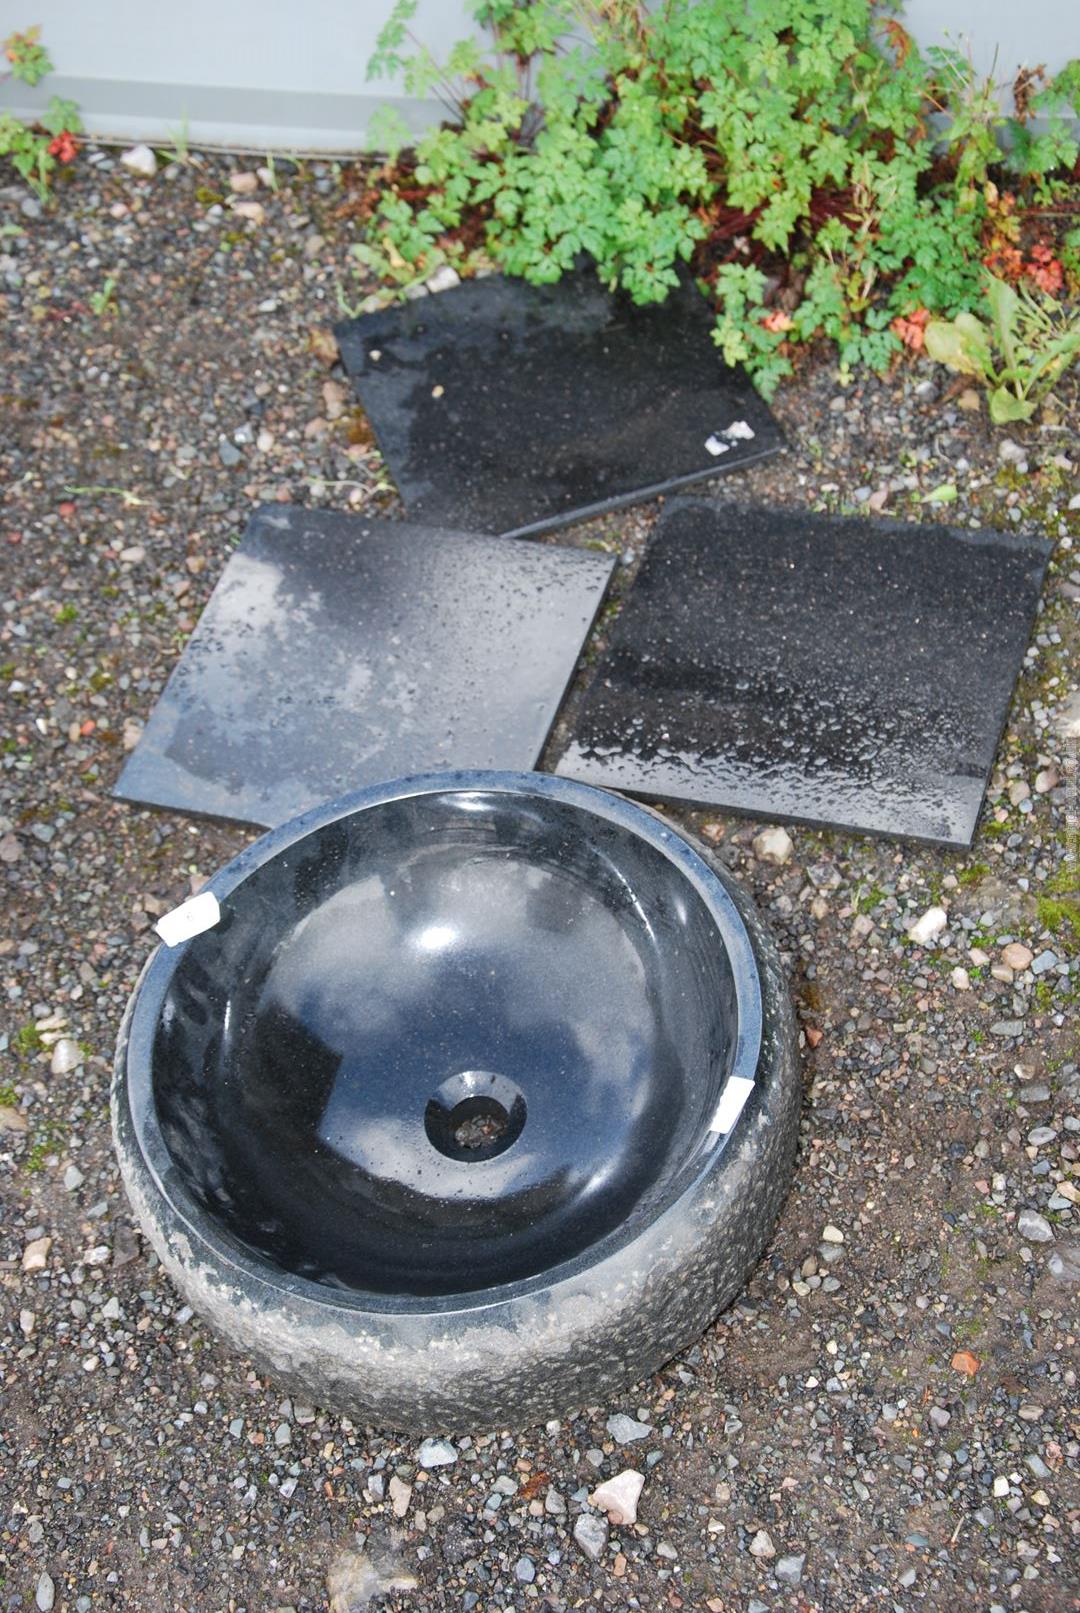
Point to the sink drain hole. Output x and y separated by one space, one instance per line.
478 1122
478 1126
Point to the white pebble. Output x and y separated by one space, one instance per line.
66 1056
927 928
444 279
36 1254
1067 721
140 160
773 846
618 1497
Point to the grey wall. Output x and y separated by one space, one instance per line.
277 73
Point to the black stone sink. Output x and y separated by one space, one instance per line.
450 1042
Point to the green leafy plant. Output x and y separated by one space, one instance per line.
1042 136
104 301
783 153
1019 352
36 151
1070 256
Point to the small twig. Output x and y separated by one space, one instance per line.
320 481
454 104
131 500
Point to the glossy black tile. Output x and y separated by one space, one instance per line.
848 672
338 651
510 408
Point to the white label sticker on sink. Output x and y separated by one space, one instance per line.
192 917
732 1102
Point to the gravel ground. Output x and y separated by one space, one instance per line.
886 1419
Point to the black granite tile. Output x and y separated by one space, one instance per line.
510 408
337 652
848 672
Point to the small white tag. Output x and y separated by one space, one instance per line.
732 1102
715 446
739 431
192 917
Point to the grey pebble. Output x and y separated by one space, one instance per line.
789 1570
1064 1263
624 1430
437 1453
1040 1135
1034 1227
591 1536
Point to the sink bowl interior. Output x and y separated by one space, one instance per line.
446 1042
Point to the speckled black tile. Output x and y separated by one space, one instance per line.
504 407
337 652
853 673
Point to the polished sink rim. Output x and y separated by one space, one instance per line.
201 1227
